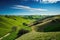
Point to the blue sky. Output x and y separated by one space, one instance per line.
29 7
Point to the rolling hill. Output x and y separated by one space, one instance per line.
40 36
7 22
48 31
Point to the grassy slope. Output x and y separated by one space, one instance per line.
40 36
7 23
49 27
53 26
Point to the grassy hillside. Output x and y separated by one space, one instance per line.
7 22
49 31
52 26
40 36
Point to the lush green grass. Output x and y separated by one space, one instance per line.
50 31
7 22
3 31
12 36
40 36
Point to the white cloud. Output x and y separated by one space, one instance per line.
50 1
28 8
47 1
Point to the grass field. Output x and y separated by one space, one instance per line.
50 31
8 22
40 36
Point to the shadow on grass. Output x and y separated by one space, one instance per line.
53 26
21 32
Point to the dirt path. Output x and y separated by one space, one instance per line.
44 23
5 36
40 25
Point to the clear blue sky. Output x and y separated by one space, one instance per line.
29 7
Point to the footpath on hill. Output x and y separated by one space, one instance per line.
5 36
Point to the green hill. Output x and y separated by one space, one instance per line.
48 31
40 36
7 22
50 25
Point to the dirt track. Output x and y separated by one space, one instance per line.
5 36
